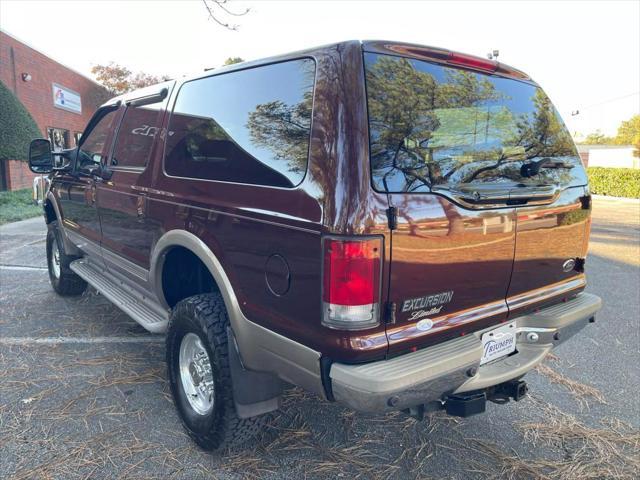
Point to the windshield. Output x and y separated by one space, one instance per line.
434 127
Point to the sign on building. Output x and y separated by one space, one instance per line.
66 99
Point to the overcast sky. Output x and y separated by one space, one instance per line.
586 55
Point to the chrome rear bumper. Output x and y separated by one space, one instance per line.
454 367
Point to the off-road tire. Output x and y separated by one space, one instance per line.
67 283
206 316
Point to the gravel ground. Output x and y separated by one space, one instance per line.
83 394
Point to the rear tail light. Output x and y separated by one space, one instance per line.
351 282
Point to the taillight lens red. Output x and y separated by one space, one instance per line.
351 283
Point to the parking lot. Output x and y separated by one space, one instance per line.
83 394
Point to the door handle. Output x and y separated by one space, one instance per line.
528 194
90 195
487 196
141 206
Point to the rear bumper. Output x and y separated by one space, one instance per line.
454 367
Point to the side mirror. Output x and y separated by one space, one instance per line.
40 157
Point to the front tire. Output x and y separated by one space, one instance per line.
199 374
63 280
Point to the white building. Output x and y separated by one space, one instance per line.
612 156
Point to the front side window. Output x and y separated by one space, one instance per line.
94 146
250 126
434 127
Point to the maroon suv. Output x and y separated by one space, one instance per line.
386 225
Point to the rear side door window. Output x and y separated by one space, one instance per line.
139 127
250 126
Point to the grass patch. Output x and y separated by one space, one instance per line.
17 205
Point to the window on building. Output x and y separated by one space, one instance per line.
59 138
76 138
94 146
250 126
137 131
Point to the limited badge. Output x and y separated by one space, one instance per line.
424 325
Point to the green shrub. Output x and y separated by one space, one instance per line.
17 205
17 127
616 182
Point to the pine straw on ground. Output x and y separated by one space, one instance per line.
607 452
582 392
349 446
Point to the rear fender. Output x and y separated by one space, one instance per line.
260 349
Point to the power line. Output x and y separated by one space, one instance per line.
610 100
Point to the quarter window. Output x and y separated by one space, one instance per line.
250 126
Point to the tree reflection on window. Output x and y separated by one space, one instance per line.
434 127
249 126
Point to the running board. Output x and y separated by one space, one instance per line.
135 304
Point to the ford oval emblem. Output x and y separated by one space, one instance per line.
424 325
568 265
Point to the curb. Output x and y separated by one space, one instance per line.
616 199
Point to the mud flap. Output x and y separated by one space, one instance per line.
254 393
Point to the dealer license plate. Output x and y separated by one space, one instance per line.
498 343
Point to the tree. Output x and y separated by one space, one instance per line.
597 138
17 127
233 60
217 9
629 134
118 79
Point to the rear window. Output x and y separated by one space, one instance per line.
250 126
434 127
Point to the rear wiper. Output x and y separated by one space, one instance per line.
532 169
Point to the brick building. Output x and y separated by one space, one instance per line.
60 100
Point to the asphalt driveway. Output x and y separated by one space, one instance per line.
83 394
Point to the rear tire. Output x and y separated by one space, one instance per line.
63 280
198 325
